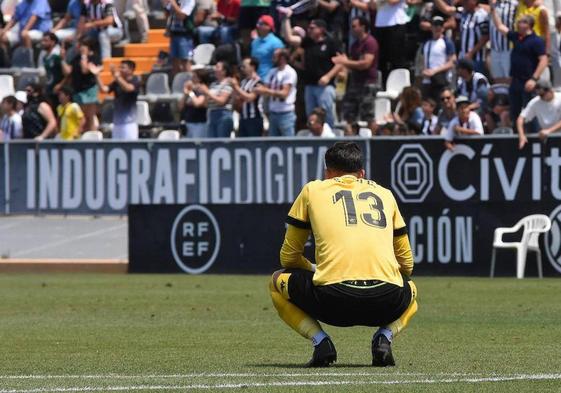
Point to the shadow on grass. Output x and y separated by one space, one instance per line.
302 367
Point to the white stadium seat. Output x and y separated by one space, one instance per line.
397 80
92 136
169 135
143 113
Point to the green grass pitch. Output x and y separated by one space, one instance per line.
168 333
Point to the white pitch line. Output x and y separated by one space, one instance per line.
523 377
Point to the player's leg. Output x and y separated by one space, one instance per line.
381 342
283 284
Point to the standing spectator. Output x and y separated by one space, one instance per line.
390 32
38 119
466 123
428 123
319 70
53 67
65 29
181 27
251 121
99 21
281 89
192 106
125 87
473 85
334 15
10 125
447 110
356 9
500 47
536 10
222 25
83 80
31 19
363 66
265 44
219 102
439 56
250 13
70 115
474 33
527 61
546 107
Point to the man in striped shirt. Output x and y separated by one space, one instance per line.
500 47
99 20
251 122
474 33
10 124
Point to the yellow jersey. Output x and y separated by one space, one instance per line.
534 11
70 116
358 229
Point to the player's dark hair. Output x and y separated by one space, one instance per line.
129 63
345 157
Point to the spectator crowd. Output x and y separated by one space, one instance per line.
320 68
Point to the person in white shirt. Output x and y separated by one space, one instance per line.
390 32
10 124
546 107
317 125
466 123
280 86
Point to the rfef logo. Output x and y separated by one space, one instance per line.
412 176
195 239
553 239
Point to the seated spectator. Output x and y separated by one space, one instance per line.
251 121
317 124
439 56
129 9
447 110
53 67
38 119
31 19
265 44
65 29
546 107
428 123
99 21
219 102
473 85
466 123
409 113
80 71
10 125
498 114
71 119
225 20
280 87
192 106
125 87
181 27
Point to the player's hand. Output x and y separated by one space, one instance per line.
522 141
449 145
96 70
543 134
341 58
530 85
323 81
187 87
428 73
284 11
259 89
39 138
203 89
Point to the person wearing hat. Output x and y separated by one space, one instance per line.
21 97
320 71
264 45
439 55
466 123
528 60
546 108
473 85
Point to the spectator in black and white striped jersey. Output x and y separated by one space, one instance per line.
10 124
99 21
500 47
474 33
251 121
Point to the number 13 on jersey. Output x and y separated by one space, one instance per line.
373 215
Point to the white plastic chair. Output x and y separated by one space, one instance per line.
202 55
92 136
169 135
533 225
397 80
304 133
143 113
365 132
6 86
382 108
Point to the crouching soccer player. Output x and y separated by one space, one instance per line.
363 260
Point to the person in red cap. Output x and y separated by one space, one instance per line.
265 44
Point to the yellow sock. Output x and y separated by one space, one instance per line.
289 313
401 323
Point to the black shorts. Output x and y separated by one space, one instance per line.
249 16
371 303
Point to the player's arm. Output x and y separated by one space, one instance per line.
401 246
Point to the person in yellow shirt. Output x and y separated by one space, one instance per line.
70 116
363 260
539 12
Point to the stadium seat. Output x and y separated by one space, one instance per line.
382 108
169 135
143 113
503 131
202 55
157 87
303 133
339 133
178 81
92 136
365 132
397 80
6 86
532 226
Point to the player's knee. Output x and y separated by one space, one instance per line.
274 279
413 290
